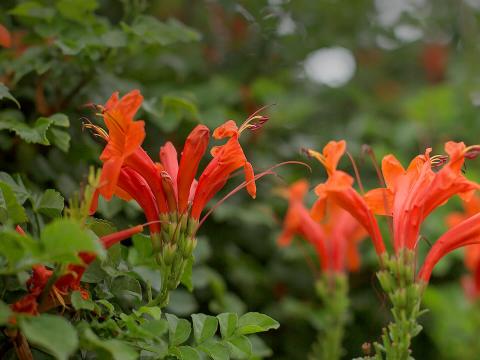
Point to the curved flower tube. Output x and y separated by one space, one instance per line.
412 194
335 240
339 189
471 282
463 234
226 159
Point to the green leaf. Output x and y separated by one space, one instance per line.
228 324
143 246
77 10
79 303
100 227
52 333
5 94
154 311
43 131
240 347
59 138
10 208
17 249
21 193
105 349
63 239
187 274
60 120
204 327
114 39
254 322
155 327
186 353
51 203
178 329
152 31
127 290
33 9
36 134
215 349
5 313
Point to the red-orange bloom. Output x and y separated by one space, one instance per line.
471 283
412 194
68 282
339 189
5 37
226 159
166 187
193 151
463 234
335 240
124 137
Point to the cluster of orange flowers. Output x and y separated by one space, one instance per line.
408 197
167 187
338 220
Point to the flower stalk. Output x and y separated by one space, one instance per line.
397 280
173 248
332 290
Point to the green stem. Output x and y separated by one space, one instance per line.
173 250
398 281
332 289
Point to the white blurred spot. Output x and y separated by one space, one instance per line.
473 3
386 42
408 33
333 66
286 26
389 11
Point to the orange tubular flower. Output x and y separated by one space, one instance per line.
124 137
339 189
471 283
463 234
335 240
124 140
412 194
298 221
5 37
193 150
226 159
133 185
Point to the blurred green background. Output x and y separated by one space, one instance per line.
396 75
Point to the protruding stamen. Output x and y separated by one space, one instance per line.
367 149
357 174
438 160
96 130
471 152
244 184
315 154
254 121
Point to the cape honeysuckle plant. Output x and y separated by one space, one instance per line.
335 240
97 297
170 196
408 197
